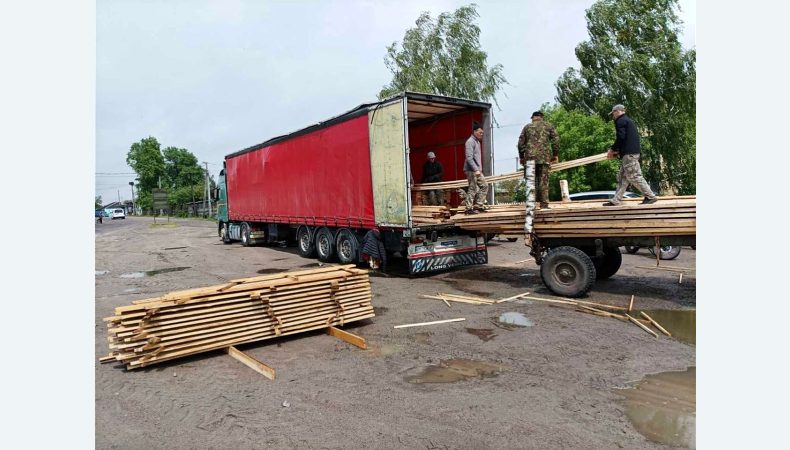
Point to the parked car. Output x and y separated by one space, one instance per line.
600 195
118 213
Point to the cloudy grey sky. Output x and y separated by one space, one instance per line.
218 76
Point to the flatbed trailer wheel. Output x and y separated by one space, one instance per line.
325 244
667 251
305 242
568 271
608 264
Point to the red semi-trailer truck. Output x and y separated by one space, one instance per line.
327 185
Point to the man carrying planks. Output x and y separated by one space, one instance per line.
626 147
433 172
539 142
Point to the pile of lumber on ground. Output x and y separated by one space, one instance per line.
246 310
556 167
429 215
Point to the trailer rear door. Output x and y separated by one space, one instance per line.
388 165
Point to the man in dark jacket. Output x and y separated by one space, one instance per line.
433 172
626 147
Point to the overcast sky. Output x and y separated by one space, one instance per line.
218 76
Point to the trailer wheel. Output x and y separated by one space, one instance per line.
347 247
609 263
325 245
631 249
667 251
245 234
304 239
567 271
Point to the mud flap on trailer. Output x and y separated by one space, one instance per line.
446 253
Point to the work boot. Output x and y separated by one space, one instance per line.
611 204
649 201
471 211
481 208
544 205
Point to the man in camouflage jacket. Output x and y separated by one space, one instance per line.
539 142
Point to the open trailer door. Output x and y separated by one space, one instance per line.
389 164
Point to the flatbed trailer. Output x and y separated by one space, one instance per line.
572 258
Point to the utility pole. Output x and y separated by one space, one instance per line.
119 196
131 186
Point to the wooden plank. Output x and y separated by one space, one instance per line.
655 324
352 339
665 268
421 324
641 325
631 303
515 297
251 362
439 297
576 302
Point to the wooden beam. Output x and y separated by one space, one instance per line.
251 362
421 324
641 326
655 323
352 339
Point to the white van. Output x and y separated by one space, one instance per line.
118 213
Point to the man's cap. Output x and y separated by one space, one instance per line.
431 155
476 125
536 113
617 108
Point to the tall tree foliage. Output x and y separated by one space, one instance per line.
145 158
634 57
177 168
97 202
443 56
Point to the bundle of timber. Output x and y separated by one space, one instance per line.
499 219
430 214
245 310
669 216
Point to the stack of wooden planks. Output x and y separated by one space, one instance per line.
245 310
429 215
669 216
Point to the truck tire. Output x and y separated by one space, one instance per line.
245 234
347 247
568 271
667 251
608 264
324 244
305 241
631 249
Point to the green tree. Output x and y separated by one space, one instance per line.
443 57
182 168
145 158
97 204
634 57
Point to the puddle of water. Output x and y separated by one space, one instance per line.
310 265
663 407
422 338
102 272
516 319
151 273
453 370
263 271
681 323
485 334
